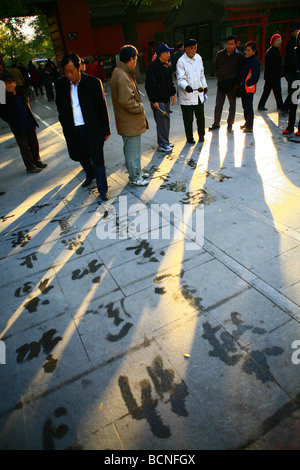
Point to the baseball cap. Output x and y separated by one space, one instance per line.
163 48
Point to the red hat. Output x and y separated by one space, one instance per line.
273 38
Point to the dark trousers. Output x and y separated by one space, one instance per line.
247 103
49 91
36 86
220 100
270 85
188 112
89 160
293 111
29 148
287 103
162 124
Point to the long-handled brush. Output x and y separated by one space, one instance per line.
164 113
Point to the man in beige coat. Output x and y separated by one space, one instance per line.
129 112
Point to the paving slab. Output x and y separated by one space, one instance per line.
134 325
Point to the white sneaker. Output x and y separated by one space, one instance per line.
165 148
145 174
171 145
140 182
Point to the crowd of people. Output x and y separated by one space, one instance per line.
43 75
82 107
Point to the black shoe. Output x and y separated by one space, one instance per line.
41 165
229 128
87 182
192 141
201 138
283 111
213 127
104 197
262 108
1 193
33 170
248 130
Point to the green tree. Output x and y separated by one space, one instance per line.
12 40
41 42
17 47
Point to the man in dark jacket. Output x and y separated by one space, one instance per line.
46 76
227 66
292 41
17 113
291 44
160 89
176 56
83 114
293 77
272 75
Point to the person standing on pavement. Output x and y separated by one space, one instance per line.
17 76
35 79
17 113
246 84
293 77
176 56
46 79
83 114
160 89
129 112
292 41
192 89
272 75
291 44
227 66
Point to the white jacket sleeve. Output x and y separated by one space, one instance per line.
181 74
202 76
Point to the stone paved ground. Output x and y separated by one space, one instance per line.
155 339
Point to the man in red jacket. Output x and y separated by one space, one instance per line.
17 113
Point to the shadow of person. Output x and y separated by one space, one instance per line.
223 348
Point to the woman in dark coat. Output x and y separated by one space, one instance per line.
83 114
292 66
17 113
247 80
273 74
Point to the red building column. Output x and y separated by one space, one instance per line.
263 39
76 26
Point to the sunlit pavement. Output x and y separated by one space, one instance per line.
153 339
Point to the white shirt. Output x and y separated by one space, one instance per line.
77 114
190 72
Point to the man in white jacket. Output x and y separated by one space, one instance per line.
192 90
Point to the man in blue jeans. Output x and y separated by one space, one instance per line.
129 112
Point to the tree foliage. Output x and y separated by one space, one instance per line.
41 42
17 47
10 9
12 40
